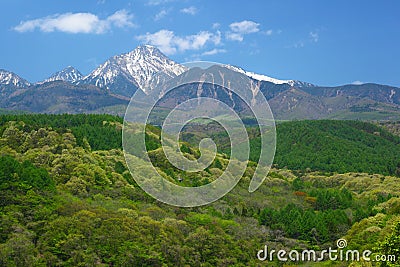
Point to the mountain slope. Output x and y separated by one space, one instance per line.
69 74
146 68
377 92
61 97
8 79
265 78
125 73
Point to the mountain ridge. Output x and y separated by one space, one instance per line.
10 78
68 74
146 67
132 69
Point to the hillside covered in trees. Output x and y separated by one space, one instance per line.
67 198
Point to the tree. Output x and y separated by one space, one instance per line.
391 246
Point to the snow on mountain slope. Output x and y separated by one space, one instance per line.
136 68
261 77
144 67
10 78
69 74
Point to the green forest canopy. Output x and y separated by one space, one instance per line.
68 200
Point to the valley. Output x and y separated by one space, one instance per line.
71 199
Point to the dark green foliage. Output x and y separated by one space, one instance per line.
99 130
336 146
119 167
185 149
320 145
218 164
307 224
23 176
298 184
152 143
331 199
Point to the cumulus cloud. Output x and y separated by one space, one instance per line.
77 23
189 10
244 27
169 43
239 29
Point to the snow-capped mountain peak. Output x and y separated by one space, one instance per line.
261 77
10 78
135 68
69 74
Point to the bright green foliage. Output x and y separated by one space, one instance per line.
68 199
391 246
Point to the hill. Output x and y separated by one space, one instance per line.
320 145
69 200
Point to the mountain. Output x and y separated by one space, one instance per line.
10 79
145 68
124 74
356 102
61 97
265 78
290 99
376 92
69 74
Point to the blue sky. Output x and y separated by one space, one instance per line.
322 42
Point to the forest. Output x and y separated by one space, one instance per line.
68 199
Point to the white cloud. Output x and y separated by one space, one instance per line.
77 23
268 32
169 43
120 19
160 15
189 10
234 36
158 2
163 39
299 44
239 29
213 52
357 83
314 36
216 25
244 27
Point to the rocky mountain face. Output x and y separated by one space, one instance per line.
69 74
124 74
109 87
10 79
61 97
